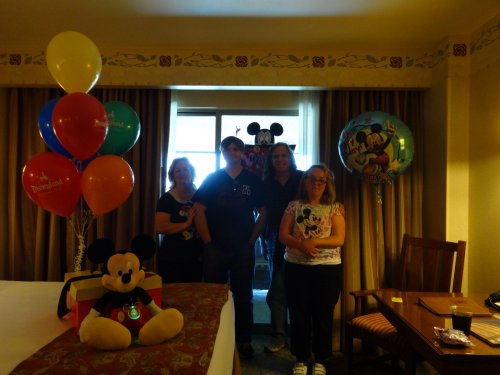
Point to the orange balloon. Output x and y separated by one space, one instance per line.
107 182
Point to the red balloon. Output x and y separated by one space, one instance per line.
80 123
53 182
107 182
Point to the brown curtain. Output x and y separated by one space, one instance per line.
37 245
376 215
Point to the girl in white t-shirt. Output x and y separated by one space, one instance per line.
313 230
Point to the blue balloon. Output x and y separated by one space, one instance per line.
376 147
47 131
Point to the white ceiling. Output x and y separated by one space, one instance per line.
245 23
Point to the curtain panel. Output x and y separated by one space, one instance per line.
377 216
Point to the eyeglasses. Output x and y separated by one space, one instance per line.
314 180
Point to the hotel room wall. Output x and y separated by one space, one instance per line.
484 168
4 131
237 99
457 174
435 144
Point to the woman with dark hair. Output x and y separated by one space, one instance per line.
179 258
281 183
313 230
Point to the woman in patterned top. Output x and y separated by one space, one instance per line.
179 258
313 230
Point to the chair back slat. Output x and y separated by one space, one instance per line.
431 265
413 275
459 267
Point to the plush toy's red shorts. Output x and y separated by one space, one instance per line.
123 316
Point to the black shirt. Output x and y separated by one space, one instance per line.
231 206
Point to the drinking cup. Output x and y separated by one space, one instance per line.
461 318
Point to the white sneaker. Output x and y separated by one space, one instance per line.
319 369
299 369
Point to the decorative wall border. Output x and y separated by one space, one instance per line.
317 68
487 36
266 60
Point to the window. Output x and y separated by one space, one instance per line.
196 134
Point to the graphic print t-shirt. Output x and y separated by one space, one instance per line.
313 222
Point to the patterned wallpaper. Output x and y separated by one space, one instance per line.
320 68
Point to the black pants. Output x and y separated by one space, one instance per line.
276 298
236 268
312 293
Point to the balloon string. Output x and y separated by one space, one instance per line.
378 190
80 227
79 255
379 227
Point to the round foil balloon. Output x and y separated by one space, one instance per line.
376 147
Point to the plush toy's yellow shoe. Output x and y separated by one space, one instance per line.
161 327
107 334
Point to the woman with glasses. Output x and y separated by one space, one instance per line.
179 258
313 231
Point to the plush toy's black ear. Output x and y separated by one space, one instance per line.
253 128
361 137
276 129
100 250
144 246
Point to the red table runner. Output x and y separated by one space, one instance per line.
188 353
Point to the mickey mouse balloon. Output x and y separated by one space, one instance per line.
376 147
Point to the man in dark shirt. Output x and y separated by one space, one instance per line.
227 203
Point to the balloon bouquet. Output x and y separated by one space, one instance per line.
376 147
84 167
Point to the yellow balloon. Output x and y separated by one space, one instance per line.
74 61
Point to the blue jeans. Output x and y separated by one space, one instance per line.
235 267
276 297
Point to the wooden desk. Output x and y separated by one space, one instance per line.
417 324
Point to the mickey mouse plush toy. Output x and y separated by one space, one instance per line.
123 312
264 136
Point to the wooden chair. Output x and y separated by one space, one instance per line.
425 265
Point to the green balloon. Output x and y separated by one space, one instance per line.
124 129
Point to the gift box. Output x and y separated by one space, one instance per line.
84 293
